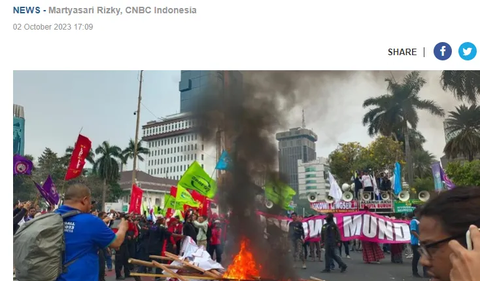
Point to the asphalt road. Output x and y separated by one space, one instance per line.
357 271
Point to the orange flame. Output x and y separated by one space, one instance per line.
243 265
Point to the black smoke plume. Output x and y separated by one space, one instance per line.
247 116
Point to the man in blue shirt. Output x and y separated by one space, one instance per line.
415 243
85 234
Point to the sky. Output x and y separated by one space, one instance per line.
58 104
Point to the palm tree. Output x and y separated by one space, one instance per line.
416 139
422 163
463 125
128 153
122 161
68 154
465 85
398 109
106 166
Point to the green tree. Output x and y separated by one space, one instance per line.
106 166
465 85
424 184
416 139
463 125
381 154
342 160
398 109
464 174
129 151
422 163
50 164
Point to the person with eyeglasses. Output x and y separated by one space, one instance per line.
415 244
445 218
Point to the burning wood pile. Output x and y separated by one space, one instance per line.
188 267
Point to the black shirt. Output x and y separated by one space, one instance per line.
157 235
296 230
190 230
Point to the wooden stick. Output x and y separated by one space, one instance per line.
169 276
150 264
175 257
179 277
316 279
160 258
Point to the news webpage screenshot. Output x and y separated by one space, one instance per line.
242 140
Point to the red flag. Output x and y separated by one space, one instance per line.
204 202
77 161
136 200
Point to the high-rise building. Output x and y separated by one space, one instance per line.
18 129
313 178
194 83
174 145
293 145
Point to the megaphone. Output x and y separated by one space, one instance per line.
268 204
347 196
423 196
329 199
404 196
312 197
367 196
345 187
385 196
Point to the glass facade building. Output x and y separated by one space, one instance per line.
18 129
293 145
194 83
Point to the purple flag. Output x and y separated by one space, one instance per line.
51 191
42 192
21 165
448 183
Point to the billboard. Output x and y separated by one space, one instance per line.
18 135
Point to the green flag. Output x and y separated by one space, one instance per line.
170 203
279 193
195 178
183 196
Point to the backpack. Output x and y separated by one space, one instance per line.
39 248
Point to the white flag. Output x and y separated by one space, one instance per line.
335 190
375 187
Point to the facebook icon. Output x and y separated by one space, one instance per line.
442 51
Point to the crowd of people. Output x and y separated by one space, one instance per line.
438 238
442 221
105 237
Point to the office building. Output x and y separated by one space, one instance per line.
174 145
18 129
194 83
313 178
154 188
293 145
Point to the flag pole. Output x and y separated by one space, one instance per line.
135 151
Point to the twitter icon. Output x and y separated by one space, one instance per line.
467 51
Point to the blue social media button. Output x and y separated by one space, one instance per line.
467 51
442 51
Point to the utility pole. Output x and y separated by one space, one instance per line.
135 152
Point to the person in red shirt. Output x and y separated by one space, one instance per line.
216 241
